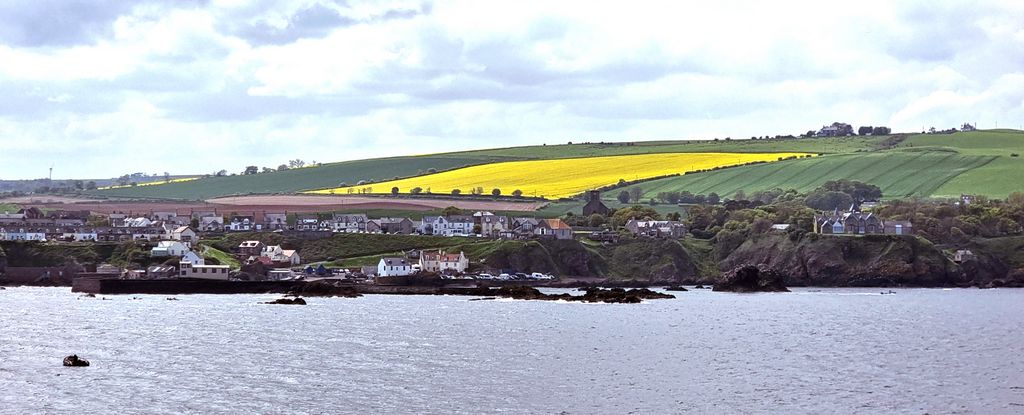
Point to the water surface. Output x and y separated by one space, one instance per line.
810 351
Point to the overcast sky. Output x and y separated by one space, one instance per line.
102 88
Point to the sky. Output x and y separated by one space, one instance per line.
101 88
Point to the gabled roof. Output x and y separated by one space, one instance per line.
395 262
556 224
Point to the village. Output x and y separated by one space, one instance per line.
175 237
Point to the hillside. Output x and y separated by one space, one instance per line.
928 165
897 173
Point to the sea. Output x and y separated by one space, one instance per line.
810 351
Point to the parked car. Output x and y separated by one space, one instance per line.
504 277
485 276
521 276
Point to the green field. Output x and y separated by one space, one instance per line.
927 165
295 180
7 207
897 173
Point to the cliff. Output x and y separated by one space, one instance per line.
869 260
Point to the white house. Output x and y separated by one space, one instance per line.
455 225
279 255
184 234
21 234
349 223
394 267
84 235
243 224
211 223
193 258
209 272
139 222
169 248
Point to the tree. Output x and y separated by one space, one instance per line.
623 196
638 212
864 130
124 180
596 220
251 170
394 191
881 131
635 193
296 164
517 193
456 192
80 185
90 185
451 211
675 216
222 173
416 190
282 167
859 191
739 195
496 192
268 170
828 200
713 198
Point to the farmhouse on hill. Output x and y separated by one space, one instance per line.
855 222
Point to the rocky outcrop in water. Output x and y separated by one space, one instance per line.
289 301
675 288
592 295
75 361
750 278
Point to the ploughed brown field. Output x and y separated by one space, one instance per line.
279 203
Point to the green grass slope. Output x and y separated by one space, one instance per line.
898 173
291 181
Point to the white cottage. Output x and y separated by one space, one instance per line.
169 248
394 267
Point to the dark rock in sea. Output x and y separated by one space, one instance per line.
294 301
698 287
592 295
75 361
90 295
483 299
750 278
325 289
172 299
675 288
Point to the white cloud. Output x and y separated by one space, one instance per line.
193 87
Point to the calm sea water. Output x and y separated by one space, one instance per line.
811 351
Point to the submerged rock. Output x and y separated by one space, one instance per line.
592 295
675 288
294 301
750 278
325 289
75 361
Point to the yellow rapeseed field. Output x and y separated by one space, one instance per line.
183 179
560 177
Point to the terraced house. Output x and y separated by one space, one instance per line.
855 222
443 262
